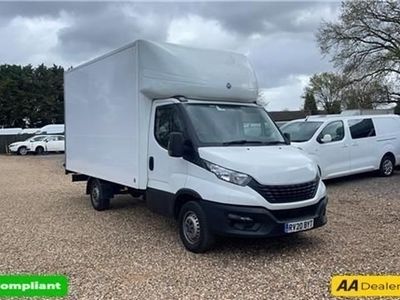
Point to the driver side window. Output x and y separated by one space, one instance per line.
167 120
335 130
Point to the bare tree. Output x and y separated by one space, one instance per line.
333 92
365 43
360 95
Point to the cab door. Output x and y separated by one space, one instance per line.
166 174
50 143
333 149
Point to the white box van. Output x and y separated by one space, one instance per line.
52 129
179 127
345 145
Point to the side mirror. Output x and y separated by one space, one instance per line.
286 135
176 144
327 138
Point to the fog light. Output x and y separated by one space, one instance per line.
238 218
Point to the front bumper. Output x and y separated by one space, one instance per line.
248 221
13 149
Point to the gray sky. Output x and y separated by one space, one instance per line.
278 37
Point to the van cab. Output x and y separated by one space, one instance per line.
345 145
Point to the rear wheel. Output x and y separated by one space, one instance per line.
39 150
22 150
193 228
387 166
99 196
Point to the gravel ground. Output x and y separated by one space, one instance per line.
48 226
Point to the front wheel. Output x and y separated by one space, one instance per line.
387 166
98 195
193 228
22 150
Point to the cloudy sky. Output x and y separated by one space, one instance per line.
278 37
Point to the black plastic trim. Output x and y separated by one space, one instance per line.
160 202
223 218
187 192
79 177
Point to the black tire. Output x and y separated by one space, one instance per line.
99 195
387 165
193 228
39 150
22 151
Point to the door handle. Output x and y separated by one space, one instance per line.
151 163
345 146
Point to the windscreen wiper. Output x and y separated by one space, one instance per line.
275 143
241 142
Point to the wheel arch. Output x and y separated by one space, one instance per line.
391 154
183 196
39 146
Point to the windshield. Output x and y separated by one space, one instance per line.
301 131
233 125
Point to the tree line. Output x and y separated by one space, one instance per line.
31 96
364 47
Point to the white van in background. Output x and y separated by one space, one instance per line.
345 145
52 129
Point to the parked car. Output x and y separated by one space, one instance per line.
345 145
38 144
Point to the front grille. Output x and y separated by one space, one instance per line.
286 193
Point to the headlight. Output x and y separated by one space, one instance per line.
228 175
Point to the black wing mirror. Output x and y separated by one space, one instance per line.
176 144
286 135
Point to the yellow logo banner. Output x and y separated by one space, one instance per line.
365 286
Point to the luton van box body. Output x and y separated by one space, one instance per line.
180 127
108 102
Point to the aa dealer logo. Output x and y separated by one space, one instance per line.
365 286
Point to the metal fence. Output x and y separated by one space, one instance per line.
6 140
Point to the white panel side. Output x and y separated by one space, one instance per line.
102 119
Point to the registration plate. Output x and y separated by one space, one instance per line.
299 226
